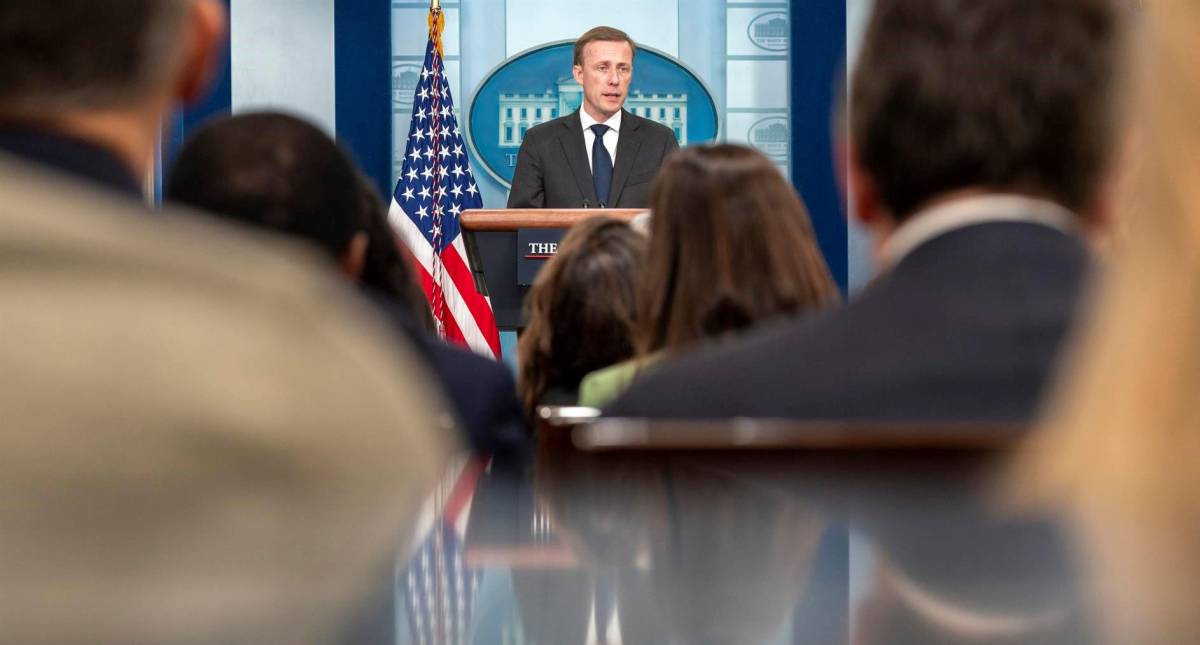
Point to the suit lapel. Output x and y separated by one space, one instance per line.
573 147
628 143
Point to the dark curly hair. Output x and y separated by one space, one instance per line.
581 309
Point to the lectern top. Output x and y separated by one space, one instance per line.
511 219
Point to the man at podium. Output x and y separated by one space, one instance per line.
600 156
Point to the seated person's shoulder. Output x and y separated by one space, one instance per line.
484 394
180 289
91 228
599 388
467 364
708 380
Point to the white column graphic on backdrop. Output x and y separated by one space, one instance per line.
758 47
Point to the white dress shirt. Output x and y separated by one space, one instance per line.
610 135
923 226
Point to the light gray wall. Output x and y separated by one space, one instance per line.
282 58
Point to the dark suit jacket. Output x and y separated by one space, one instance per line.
553 169
484 395
966 327
481 391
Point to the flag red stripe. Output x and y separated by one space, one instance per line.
484 331
464 489
481 310
452 331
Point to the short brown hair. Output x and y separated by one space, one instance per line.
1014 95
77 54
581 309
609 34
731 244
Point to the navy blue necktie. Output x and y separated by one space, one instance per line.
602 165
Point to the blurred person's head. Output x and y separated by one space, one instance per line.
280 173
954 97
108 72
277 172
1121 437
730 244
581 308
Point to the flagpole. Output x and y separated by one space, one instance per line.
439 271
439 313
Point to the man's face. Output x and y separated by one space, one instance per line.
605 74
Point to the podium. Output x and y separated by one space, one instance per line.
496 258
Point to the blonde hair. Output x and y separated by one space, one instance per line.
1122 437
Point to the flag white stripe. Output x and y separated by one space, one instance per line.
461 247
461 311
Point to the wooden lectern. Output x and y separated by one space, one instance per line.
491 238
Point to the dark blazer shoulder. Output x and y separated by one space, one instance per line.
484 394
967 326
552 129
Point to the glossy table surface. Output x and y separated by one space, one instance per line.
859 542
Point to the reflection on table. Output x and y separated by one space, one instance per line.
756 533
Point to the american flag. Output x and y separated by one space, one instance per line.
435 187
436 587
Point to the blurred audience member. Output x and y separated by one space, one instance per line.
203 440
731 245
581 311
280 173
86 86
981 136
1123 436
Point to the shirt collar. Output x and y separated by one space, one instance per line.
71 155
613 122
925 225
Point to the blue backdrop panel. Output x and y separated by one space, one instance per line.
818 54
363 83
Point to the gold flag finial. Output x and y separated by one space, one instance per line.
437 22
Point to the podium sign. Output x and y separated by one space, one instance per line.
501 256
534 247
